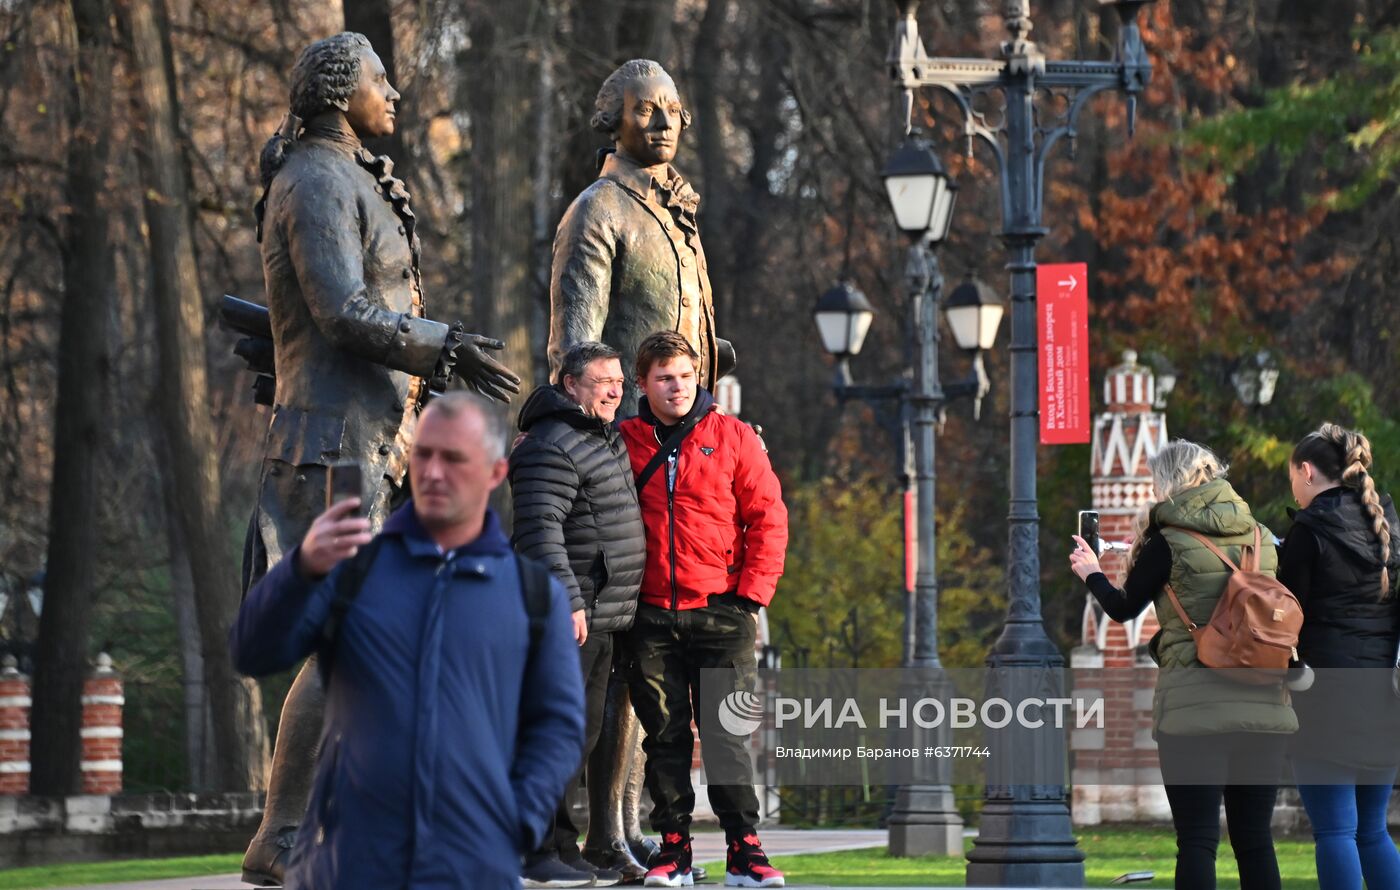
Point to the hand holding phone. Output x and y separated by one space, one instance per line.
336 535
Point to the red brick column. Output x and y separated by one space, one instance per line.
102 729
1115 768
14 729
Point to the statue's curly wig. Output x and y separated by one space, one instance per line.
608 114
326 74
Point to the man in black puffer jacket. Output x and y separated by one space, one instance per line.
576 511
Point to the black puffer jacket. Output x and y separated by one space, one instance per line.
1345 622
1331 560
576 507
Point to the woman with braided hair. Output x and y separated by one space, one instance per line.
1342 559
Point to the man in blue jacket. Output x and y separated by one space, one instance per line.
452 724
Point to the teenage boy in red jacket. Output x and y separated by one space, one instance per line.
716 530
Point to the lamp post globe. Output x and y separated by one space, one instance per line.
920 191
974 313
843 316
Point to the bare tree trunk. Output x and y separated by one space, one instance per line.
373 19
199 772
79 417
542 179
239 738
714 184
592 54
646 25
603 36
496 76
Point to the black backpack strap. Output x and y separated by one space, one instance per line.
534 589
347 588
671 446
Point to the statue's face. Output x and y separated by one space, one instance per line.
650 130
371 112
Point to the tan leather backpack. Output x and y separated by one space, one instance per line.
1254 628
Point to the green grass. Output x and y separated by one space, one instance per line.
1111 852
122 870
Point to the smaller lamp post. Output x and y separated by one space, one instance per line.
922 195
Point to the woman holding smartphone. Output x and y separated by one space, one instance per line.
1216 739
1342 559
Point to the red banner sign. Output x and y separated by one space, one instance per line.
1062 298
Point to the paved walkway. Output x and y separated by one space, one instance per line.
708 845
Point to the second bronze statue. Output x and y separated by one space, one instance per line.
627 255
628 262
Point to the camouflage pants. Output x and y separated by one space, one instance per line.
670 649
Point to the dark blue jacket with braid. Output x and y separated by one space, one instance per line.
576 509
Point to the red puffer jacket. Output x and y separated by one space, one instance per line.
725 527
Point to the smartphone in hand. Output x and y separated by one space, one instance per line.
1089 530
345 479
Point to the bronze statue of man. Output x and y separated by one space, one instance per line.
627 255
355 357
628 262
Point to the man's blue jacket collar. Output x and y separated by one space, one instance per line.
404 523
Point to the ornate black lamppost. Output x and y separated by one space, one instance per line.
1025 837
925 817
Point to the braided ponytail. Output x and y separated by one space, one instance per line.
1348 460
1357 461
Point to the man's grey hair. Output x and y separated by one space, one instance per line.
581 355
608 114
452 404
326 74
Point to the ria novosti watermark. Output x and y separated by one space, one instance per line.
1010 726
847 726
901 713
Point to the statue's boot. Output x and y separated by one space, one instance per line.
609 767
293 769
642 847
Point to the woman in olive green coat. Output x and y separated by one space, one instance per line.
1216 738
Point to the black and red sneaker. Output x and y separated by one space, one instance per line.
671 867
747 865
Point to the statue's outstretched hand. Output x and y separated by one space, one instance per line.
465 356
483 373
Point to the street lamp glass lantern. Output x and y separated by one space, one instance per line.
843 316
1256 378
920 191
974 313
